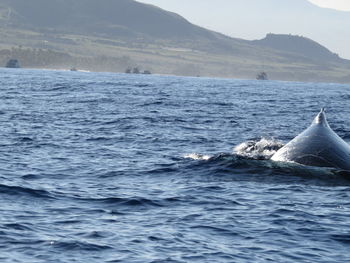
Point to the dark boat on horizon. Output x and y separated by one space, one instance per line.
262 76
12 63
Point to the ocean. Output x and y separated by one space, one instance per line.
103 167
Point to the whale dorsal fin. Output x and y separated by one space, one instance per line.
321 119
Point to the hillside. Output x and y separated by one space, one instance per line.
252 19
121 20
108 35
304 47
104 17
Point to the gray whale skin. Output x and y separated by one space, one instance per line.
318 145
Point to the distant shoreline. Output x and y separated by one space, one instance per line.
169 75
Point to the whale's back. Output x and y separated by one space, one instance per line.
318 145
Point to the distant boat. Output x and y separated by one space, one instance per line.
73 69
262 76
12 63
147 72
136 70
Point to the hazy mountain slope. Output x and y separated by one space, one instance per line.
117 19
302 46
252 19
130 19
121 17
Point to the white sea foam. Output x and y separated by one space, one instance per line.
259 149
197 156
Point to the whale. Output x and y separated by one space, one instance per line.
318 145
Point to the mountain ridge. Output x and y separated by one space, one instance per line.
90 16
299 45
252 19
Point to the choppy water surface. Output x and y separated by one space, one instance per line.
130 168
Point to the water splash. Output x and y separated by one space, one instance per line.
262 149
197 157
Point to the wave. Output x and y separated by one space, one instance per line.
17 226
136 202
79 245
24 191
342 238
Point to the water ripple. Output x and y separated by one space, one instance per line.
102 167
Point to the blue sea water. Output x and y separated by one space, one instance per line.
100 167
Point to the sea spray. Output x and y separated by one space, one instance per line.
261 149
